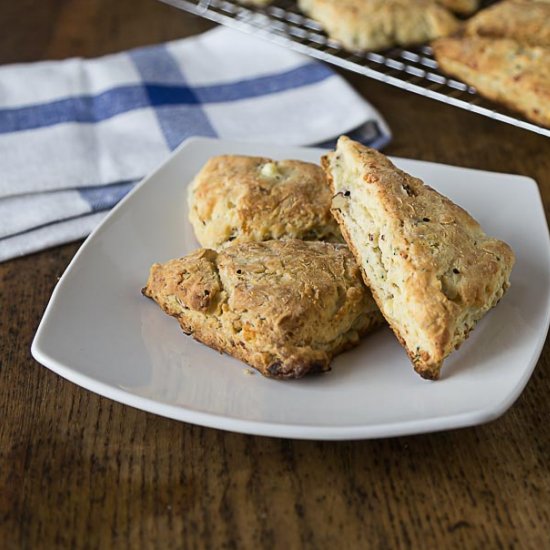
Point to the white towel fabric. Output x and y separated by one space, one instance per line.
76 135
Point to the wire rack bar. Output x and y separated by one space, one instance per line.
412 69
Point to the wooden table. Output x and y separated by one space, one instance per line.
78 470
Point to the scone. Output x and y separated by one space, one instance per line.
243 199
379 24
464 7
502 70
284 307
523 21
431 268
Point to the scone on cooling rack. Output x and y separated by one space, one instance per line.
432 270
464 7
502 70
237 199
380 24
524 21
284 307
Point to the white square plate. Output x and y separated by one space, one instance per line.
99 331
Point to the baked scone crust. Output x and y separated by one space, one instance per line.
502 70
243 199
431 268
378 24
284 307
521 20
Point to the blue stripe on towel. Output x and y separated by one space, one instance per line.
104 197
304 75
74 109
115 101
177 106
368 133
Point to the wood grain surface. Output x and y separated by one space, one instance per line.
81 471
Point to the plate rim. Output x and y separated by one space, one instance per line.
277 429
294 431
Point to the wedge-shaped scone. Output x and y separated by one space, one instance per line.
523 21
502 70
464 7
284 307
432 270
243 199
379 24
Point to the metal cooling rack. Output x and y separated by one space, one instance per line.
413 69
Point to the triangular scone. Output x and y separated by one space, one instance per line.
380 24
502 70
431 268
525 22
235 198
284 307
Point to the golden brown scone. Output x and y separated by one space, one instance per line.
432 270
243 199
379 24
523 21
502 70
284 307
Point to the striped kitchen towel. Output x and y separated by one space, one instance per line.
76 135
